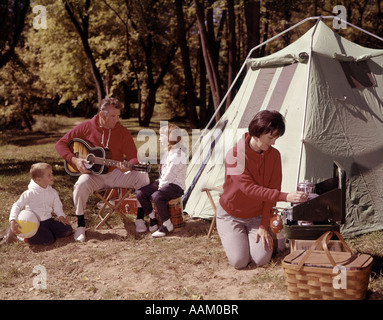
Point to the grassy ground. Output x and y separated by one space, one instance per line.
117 263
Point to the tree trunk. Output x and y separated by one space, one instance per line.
126 114
82 29
203 112
232 67
189 83
252 14
149 103
208 54
266 32
12 22
25 113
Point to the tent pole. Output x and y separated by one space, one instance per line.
354 26
244 64
240 72
306 101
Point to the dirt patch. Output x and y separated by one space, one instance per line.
120 264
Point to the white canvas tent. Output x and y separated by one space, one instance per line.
330 91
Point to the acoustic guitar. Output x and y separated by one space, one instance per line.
98 159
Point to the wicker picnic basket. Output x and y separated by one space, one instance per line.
324 275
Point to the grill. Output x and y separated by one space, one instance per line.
325 212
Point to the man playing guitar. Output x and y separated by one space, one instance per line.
103 130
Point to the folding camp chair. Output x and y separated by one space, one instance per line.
107 196
208 190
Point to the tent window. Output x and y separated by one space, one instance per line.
358 74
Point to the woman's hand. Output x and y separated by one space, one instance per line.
266 239
297 197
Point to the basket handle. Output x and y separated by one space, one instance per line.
324 239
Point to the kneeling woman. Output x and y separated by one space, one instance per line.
253 176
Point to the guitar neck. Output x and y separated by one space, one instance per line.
107 162
110 162
115 163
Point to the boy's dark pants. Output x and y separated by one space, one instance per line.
49 231
159 197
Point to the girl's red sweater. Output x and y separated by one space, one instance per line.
252 182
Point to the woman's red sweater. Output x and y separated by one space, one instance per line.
252 182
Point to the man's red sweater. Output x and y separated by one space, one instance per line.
118 140
252 182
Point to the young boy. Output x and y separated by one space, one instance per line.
41 199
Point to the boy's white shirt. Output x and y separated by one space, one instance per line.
173 168
40 201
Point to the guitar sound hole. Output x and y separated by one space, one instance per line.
90 159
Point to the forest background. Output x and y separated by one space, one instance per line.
173 56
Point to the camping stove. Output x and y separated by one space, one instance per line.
322 213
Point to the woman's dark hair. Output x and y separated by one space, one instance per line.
266 121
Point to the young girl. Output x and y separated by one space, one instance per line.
170 185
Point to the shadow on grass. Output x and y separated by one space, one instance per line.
377 264
91 235
12 167
21 163
23 139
